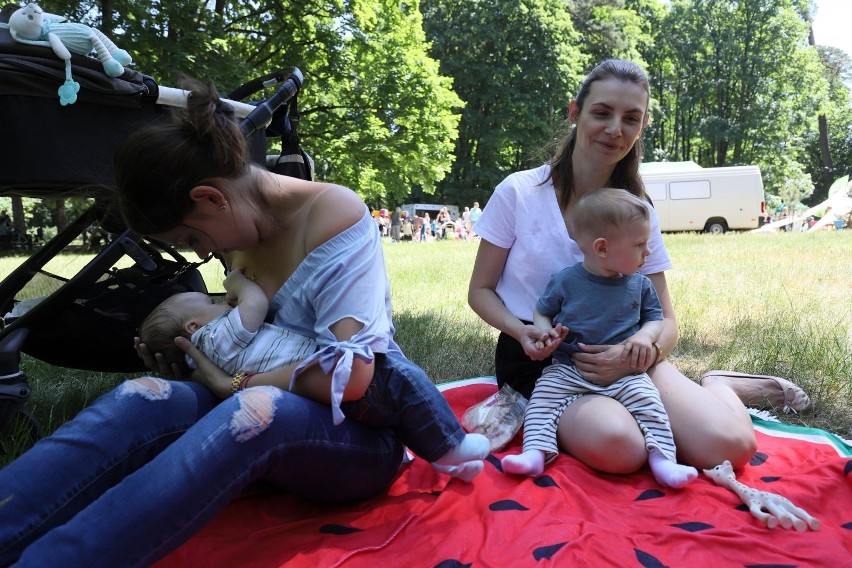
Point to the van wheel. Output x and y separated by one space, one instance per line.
715 227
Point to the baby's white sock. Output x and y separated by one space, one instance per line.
531 463
669 473
465 472
472 448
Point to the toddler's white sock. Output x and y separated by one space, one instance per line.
669 473
473 447
531 463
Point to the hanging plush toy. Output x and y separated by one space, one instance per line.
33 26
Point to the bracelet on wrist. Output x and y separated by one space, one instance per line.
659 352
240 381
245 381
235 382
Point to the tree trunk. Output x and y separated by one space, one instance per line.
60 218
18 220
824 150
107 25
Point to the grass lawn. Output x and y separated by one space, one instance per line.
777 304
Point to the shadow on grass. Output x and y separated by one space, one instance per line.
57 394
446 346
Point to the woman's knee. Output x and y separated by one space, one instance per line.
154 401
255 413
736 445
149 388
601 433
709 426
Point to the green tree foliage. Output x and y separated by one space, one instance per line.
514 63
375 113
386 118
837 110
400 106
796 187
612 28
734 85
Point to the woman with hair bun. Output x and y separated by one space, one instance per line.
147 465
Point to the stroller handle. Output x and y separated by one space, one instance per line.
254 117
260 117
172 97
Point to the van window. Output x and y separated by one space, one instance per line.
656 191
690 189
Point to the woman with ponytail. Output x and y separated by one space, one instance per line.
524 239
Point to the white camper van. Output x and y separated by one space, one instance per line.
688 197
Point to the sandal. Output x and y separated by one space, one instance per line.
795 399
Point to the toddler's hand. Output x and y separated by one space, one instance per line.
538 344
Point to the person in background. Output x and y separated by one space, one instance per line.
396 225
475 212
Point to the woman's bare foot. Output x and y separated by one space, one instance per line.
761 391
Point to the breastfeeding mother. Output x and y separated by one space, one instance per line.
146 466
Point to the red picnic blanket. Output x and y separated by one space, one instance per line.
569 516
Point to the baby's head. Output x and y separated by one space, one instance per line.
616 220
178 315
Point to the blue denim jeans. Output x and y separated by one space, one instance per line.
147 465
403 398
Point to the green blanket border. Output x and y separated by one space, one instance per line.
804 433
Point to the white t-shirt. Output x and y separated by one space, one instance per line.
523 216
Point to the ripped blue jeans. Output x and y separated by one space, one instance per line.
148 464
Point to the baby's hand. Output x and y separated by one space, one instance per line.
235 285
551 334
639 350
539 344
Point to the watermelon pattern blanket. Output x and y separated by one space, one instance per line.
569 516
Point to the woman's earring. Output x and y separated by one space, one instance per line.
223 208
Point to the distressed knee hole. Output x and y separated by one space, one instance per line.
151 388
257 408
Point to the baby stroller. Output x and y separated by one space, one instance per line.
106 298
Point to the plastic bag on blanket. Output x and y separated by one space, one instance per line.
498 417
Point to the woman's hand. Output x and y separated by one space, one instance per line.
206 373
602 364
157 362
538 344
